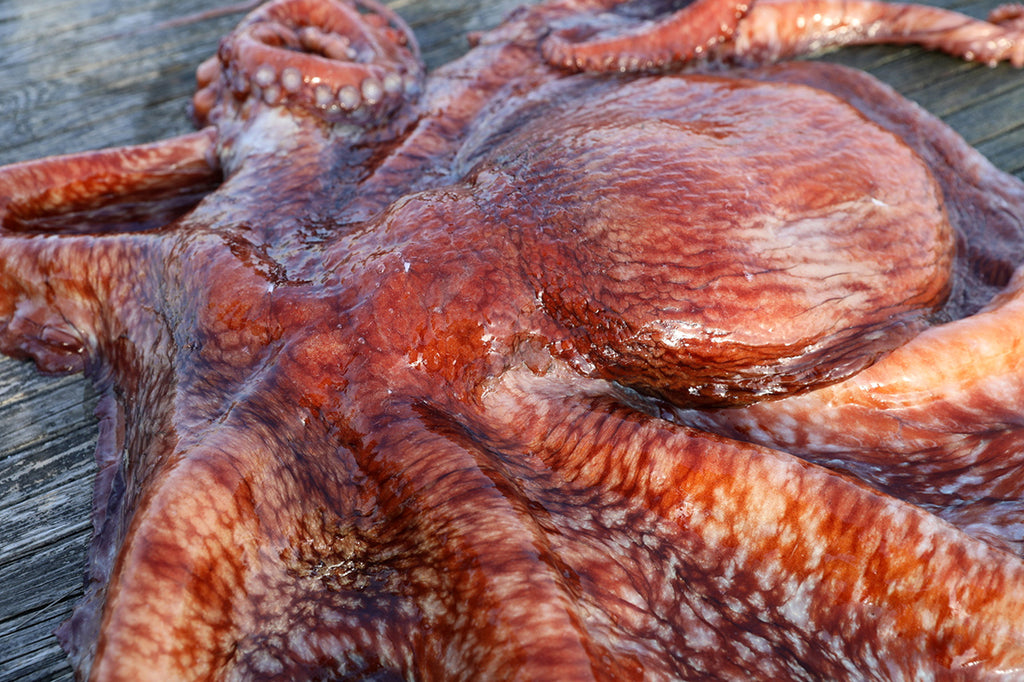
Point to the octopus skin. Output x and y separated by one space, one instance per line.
581 357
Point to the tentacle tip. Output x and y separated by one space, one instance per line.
53 351
202 105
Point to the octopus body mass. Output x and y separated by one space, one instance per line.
618 348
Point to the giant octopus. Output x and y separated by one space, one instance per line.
614 349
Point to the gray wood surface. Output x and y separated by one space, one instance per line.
85 74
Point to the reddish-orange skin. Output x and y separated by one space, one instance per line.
515 371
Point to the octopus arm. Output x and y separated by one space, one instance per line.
780 29
551 530
764 31
704 23
247 558
127 189
851 579
70 258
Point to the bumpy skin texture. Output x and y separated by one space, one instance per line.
529 370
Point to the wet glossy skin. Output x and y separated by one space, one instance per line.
410 376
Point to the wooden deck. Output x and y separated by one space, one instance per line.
80 74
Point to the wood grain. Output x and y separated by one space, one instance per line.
85 74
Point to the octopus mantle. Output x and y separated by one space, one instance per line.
583 357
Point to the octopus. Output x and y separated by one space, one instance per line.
620 347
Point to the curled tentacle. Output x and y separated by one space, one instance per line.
343 61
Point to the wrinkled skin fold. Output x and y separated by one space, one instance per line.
582 357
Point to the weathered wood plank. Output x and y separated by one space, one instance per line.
83 74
